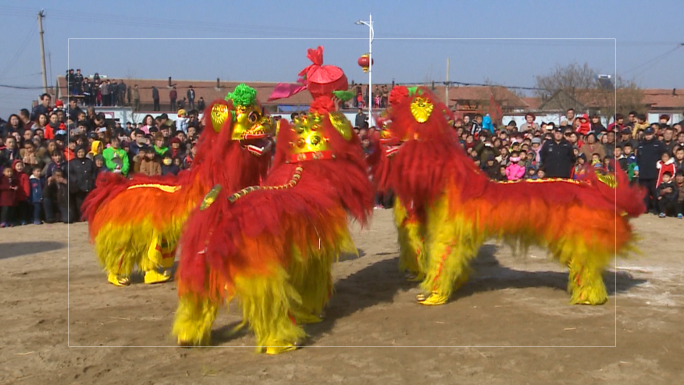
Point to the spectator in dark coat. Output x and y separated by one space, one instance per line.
667 196
360 120
36 198
57 192
43 108
557 156
81 179
9 153
648 154
155 98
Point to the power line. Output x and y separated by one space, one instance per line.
655 59
19 52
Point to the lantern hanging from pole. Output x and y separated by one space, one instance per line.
365 62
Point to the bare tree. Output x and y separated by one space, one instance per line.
566 84
577 86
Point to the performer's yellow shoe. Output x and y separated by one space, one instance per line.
278 347
117 280
433 299
153 276
307 318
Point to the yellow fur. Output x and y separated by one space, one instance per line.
194 317
410 237
120 248
452 242
268 301
450 247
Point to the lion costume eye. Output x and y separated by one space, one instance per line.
253 117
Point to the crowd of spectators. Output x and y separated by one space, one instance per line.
50 157
94 91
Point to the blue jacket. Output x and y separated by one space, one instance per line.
487 124
36 189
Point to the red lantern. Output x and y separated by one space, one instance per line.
364 62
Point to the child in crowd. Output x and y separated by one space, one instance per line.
115 158
541 174
22 208
665 164
632 167
621 158
608 164
57 163
679 158
8 197
98 160
57 191
679 186
531 173
178 162
514 171
36 198
187 162
667 195
502 174
579 171
596 161
503 156
167 166
525 161
147 163
491 167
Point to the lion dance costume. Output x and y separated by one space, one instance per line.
456 208
410 230
272 246
138 221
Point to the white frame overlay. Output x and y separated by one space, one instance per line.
615 292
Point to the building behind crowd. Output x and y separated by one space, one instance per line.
501 103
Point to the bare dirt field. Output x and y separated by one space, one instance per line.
514 312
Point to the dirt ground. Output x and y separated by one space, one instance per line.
514 312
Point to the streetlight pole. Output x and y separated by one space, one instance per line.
371 35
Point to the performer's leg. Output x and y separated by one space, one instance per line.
157 256
194 317
115 255
586 282
410 239
312 279
586 264
267 303
451 244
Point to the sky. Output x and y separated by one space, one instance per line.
502 42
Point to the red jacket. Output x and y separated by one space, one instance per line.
665 167
24 190
68 154
7 194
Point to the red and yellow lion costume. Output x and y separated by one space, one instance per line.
272 246
138 221
454 208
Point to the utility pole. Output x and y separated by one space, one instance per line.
41 15
447 84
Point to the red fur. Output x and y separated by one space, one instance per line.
431 158
275 218
219 160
